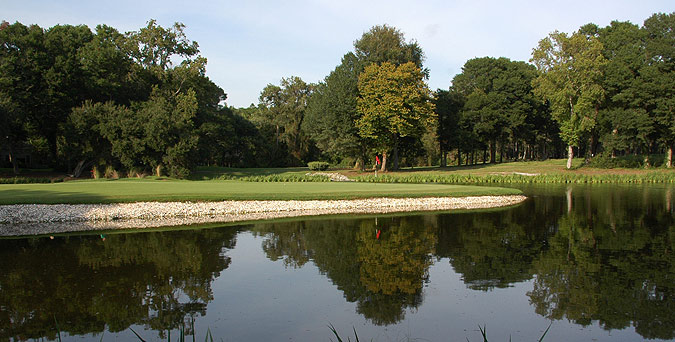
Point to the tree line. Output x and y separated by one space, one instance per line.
140 101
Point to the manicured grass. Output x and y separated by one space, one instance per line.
134 190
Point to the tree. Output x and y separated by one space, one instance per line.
395 102
155 46
383 43
23 89
659 78
107 66
499 98
624 123
448 105
83 141
284 107
571 69
330 119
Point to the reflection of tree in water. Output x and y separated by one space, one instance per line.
611 261
383 276
493 249
86 284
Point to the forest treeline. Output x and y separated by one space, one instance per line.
140 102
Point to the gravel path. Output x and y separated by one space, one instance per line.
33 219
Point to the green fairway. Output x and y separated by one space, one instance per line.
134 190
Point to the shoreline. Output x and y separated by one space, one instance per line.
38 219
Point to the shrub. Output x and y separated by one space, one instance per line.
318 166
110 172
136 173
30 180
605 161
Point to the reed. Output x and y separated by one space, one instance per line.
652 177
283 177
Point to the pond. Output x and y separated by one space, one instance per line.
593 262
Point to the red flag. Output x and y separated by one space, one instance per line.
377 160
378 234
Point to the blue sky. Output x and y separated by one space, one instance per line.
250 44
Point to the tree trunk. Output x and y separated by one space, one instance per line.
443 161
501 152
77 172
570 155
364 158
516 153
459 157
594 143
669 157
493 151
12 158
384 162
395 156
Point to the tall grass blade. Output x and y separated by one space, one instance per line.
137 335
209 336
483 331
58 331
332 328
545 332
192 325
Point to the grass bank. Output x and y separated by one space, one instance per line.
134 190
551 171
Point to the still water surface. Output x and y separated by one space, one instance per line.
595 262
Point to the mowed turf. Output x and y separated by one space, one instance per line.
136 190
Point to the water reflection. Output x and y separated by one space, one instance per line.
86 284
611 260
384 274
592 255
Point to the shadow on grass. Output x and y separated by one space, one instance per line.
24 196
215 172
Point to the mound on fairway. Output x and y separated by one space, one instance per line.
136 190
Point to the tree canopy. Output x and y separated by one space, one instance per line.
74 99
394 103
571 69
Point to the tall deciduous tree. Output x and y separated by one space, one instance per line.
284 107
23 89
383 43
624 124
448 105
659 77
331 114
571 70
499 98
395 102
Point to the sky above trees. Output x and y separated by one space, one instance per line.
250 44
